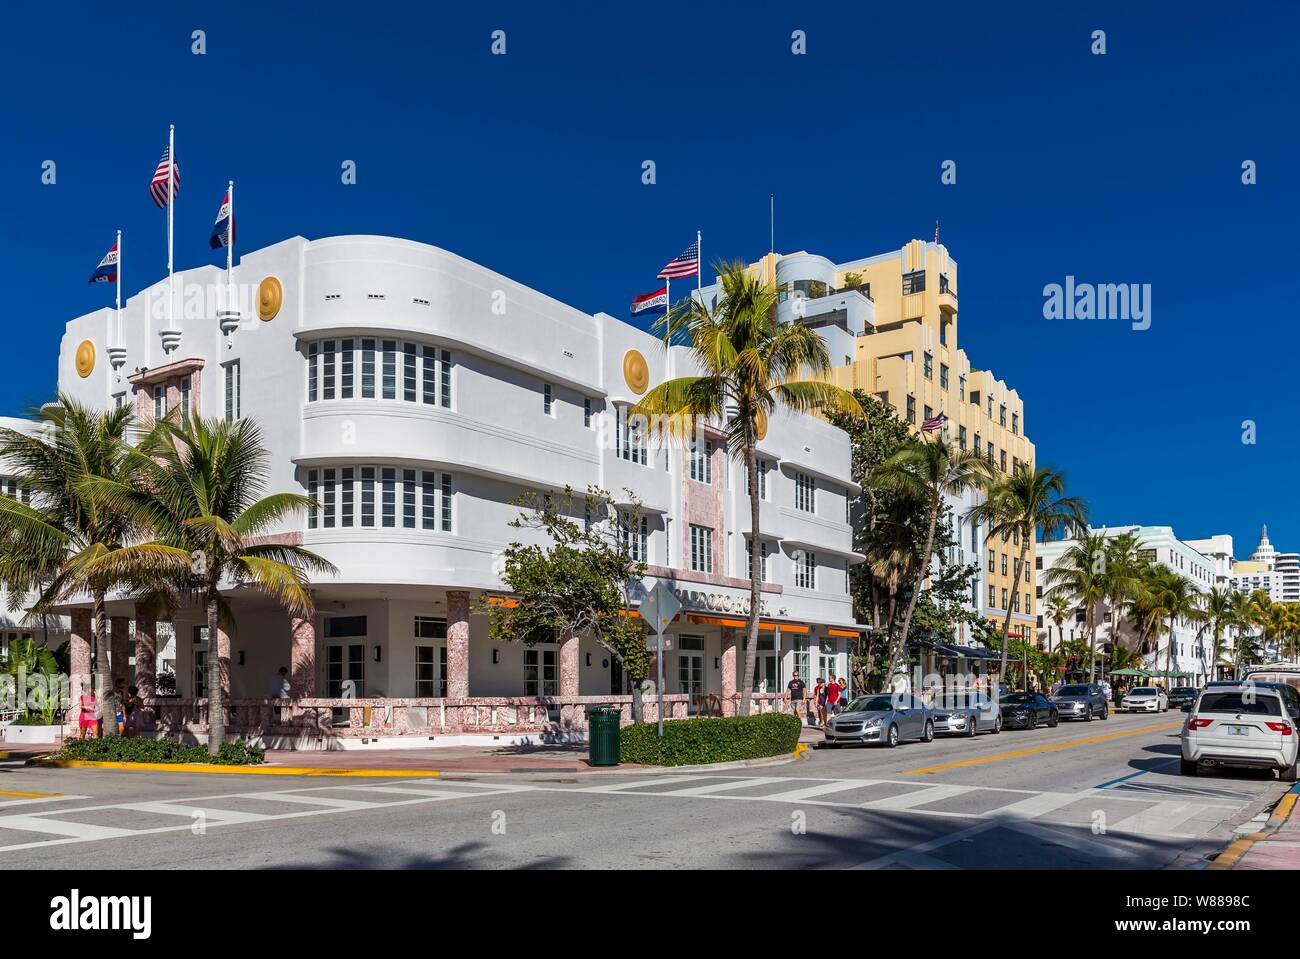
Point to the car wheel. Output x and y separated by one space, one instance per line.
1105 712
928 735
997 725
1032 722
970 728
1087 715
1288 775
1186 767
891 738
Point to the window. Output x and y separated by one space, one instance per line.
313 487
347 494
313 371
390 370
548 399
1002 415
541 673
368 496
368 369
914 282
629 437
1002 460
1015 602
990 407
993 600
345 627
943 376
1004 599
431 670
636 535
702 461
185 397
1004 564
761 466
961 387
928 365
389 478
1015 423
436 377
408 372
327 480
977 444
435 502
993 561
929 413
430 627
805 570
911 408
701 549
347 350
586 411
327 370
749 560
961 436
232 390
408 499
988 454
805 493
1028 604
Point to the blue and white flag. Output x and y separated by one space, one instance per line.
106 272
223 233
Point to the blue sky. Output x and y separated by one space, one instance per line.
1123 168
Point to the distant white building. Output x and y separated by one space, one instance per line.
1277 574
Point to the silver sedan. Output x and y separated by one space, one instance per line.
966 713
883 718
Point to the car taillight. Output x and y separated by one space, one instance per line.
1198 723
1283 728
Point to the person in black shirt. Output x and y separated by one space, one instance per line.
794 692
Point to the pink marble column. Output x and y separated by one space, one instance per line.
457 644
569 648
302 659
146 650
80 657
119 645
223 656
728 670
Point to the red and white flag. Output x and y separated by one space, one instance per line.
656 301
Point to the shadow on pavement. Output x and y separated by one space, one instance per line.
473 855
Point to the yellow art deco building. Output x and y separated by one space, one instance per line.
891 323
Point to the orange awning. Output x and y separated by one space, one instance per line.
741 624
850 633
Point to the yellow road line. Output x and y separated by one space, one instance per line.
1282 810
1034 750
241 770
1232 855
19 794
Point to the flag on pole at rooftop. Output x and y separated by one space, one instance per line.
934 423
688 264
223 233
656 301
158 185
106 272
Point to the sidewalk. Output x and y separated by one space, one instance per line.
1277 846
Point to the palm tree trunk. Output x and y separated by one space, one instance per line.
1092 643
922 572
104 695
755 573
216 695
1006 620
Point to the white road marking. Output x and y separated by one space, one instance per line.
40 799
921 797
719 787
59 827
211 816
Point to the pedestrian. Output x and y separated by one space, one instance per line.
844 694
118 703
134 711
819 695
280 684
87 720
794 691
833 690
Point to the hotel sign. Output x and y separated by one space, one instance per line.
698 599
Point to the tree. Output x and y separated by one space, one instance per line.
1025 502
925 471
62 542
1078 578
1174 597
1120 580
198 490
576 582
750 364
1220 615
1056 609
1245 618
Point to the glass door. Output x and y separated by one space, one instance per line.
345 675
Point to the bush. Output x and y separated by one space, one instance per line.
689 742
120 749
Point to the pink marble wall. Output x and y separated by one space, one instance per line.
80 656
457 643
146 650
728 670
119 647
302 658
569 665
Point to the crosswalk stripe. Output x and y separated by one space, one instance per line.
58 827
812 792
331 801
431 793
1162 818
720 787
919 798
641 784
223 816
1036 806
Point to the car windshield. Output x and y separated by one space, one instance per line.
1072 691
1014 698
1142 691
871 704
1243 702
1184 689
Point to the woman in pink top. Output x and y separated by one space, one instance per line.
87 719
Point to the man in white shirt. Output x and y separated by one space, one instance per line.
280 685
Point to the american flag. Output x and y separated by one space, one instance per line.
688 264
158 185
934 423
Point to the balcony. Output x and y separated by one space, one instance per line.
947 296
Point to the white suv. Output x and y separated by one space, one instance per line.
1245 726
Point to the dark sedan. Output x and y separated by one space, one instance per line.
1181 696
1027 710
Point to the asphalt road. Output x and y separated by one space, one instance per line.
1100 796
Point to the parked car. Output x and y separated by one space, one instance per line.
1146 699
1027 710
1288 692
965 713
1180 697
885 718
1244 726
1082 701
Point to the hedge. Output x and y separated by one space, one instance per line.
121 749
689 742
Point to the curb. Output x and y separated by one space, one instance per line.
236 770
1238 848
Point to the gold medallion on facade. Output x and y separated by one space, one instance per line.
270 295
85 358
636 372
760 424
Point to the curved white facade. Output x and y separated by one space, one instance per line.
416 394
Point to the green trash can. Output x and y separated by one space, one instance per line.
603 739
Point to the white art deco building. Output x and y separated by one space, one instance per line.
414 395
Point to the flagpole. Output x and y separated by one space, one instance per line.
699 265
118 339
171 205
230 248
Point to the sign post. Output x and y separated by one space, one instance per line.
658 609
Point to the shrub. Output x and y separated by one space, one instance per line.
120 749
689 742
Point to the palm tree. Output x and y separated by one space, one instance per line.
199 492
1078 577
925 471
893 560
750 364
1220 614
1176 597
62 542
1122 582
1027 502
1057 609
1245 617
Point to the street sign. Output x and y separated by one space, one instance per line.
659 608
